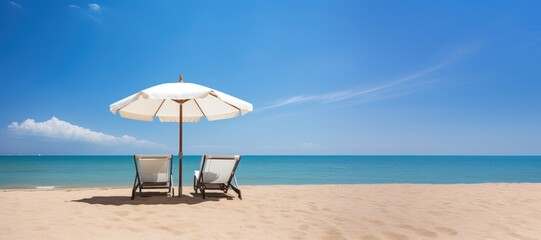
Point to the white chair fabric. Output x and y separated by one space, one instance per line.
153 168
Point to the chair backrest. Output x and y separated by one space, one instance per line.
218 169
153 168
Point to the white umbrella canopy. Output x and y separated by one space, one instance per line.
162 101
171 102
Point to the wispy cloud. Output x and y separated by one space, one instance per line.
398 87
58 129
94 12
12 3
94 7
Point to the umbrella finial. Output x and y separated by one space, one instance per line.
180 78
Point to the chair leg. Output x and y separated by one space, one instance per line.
237 191
134 188
171 191
133 194
203 192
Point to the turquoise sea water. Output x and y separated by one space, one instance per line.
118 171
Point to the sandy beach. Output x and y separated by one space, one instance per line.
379 211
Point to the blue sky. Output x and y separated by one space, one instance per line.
325 77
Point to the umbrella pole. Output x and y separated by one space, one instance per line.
180 152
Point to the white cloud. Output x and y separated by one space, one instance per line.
93 11
58 129
15 4
94 7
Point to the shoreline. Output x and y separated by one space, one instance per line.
343 211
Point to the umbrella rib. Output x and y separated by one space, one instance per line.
159 108
122 107
214 95
200 109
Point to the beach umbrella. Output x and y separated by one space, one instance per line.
180 102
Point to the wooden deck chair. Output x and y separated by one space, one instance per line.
153 172
216 173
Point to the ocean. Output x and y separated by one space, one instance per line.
119 171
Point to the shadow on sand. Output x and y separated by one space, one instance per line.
154 198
